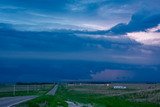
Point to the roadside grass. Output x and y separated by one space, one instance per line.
45 101
22 92
64 94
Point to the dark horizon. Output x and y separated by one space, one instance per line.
98 40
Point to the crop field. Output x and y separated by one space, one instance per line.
29 89
133 92
100 95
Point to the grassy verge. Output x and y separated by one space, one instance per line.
22 93
25 92
44 101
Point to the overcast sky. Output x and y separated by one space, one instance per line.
115 40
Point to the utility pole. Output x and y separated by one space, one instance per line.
14 90
27 89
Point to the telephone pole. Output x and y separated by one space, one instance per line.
14 90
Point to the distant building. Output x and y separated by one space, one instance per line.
107 85
119 87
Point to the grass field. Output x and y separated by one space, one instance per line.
22 90
86 95
133 92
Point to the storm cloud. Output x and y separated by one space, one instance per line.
140 21
79 40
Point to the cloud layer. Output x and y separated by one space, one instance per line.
112 75
66 40
140 21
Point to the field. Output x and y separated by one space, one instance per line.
24 89
100 95
133 92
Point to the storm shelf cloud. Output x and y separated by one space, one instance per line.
106 40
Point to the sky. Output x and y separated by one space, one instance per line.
90 40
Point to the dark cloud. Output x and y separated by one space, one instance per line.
50 70
5 26
158 31
140 21
58 40
32 47
96 13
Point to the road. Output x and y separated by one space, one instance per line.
10 101
53 91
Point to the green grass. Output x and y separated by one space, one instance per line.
100 100
141 94
96 100
25 93
22 93
45 101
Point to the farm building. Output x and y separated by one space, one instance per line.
119 87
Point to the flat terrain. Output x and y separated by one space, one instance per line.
23 90
23 93
133 92
99 95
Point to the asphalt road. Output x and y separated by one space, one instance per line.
53 91
10 101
